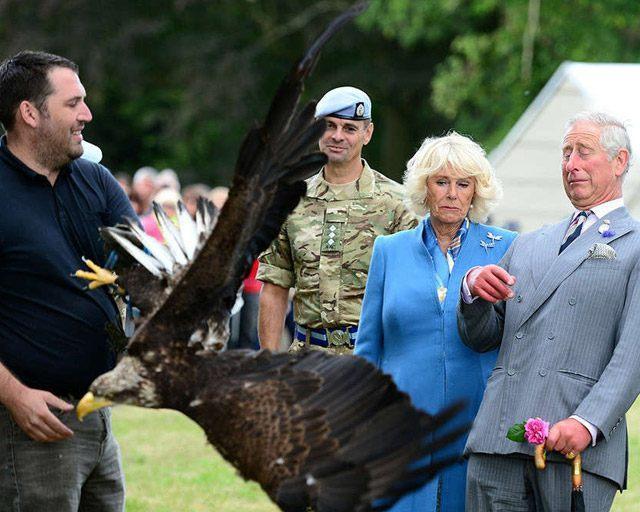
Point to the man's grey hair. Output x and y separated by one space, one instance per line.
613 132
144 173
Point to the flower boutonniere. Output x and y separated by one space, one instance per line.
492 241
605 229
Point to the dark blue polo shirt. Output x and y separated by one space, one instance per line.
52 332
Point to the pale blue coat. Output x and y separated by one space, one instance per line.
406 333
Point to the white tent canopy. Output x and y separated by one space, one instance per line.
528 159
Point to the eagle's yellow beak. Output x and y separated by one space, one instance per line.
89 404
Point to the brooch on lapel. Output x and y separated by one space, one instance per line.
600 251
605 229
492 241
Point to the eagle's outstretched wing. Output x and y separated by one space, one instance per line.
318 430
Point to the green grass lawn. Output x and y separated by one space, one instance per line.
170 467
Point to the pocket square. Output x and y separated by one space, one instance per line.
601 252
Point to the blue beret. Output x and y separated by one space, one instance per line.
345 103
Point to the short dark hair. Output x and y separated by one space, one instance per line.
24 77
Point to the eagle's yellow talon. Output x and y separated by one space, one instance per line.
99 276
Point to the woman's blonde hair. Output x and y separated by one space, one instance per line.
466 159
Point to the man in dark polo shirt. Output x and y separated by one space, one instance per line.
53 341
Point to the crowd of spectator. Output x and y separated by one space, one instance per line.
148 185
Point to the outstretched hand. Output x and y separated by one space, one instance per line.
30 410
491 283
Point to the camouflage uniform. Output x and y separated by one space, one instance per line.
325 245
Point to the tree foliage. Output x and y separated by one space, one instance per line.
501 53
176 83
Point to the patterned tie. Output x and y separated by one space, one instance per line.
574 230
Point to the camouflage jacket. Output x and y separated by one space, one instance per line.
324 248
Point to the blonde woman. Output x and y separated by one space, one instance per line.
408 323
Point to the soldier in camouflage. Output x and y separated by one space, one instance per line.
324 248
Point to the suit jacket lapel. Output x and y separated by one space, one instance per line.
563 265
546 248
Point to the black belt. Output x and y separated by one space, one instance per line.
341 336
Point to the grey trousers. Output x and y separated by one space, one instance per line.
501 483
80 474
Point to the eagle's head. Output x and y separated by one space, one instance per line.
127 383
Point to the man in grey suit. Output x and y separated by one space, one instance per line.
564 308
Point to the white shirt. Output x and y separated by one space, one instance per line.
597 212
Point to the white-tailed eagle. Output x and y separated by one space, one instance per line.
316 431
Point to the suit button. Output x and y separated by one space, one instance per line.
542 372
511 372
519 298
551 336
572 301
519 335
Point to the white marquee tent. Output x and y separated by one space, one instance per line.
528 159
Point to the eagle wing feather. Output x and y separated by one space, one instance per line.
317 430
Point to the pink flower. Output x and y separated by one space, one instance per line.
536 430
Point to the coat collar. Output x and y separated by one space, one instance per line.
550 269
364 186
465 260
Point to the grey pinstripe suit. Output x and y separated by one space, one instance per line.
569 341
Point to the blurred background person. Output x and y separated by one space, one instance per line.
218 196
144 188
167 178
168 199
244 324
408 325
124 180
190 195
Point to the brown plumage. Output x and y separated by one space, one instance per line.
315 430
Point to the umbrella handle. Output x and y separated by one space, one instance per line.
576 472
540 458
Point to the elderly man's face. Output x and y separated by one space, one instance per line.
343 139
589 177
449 196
